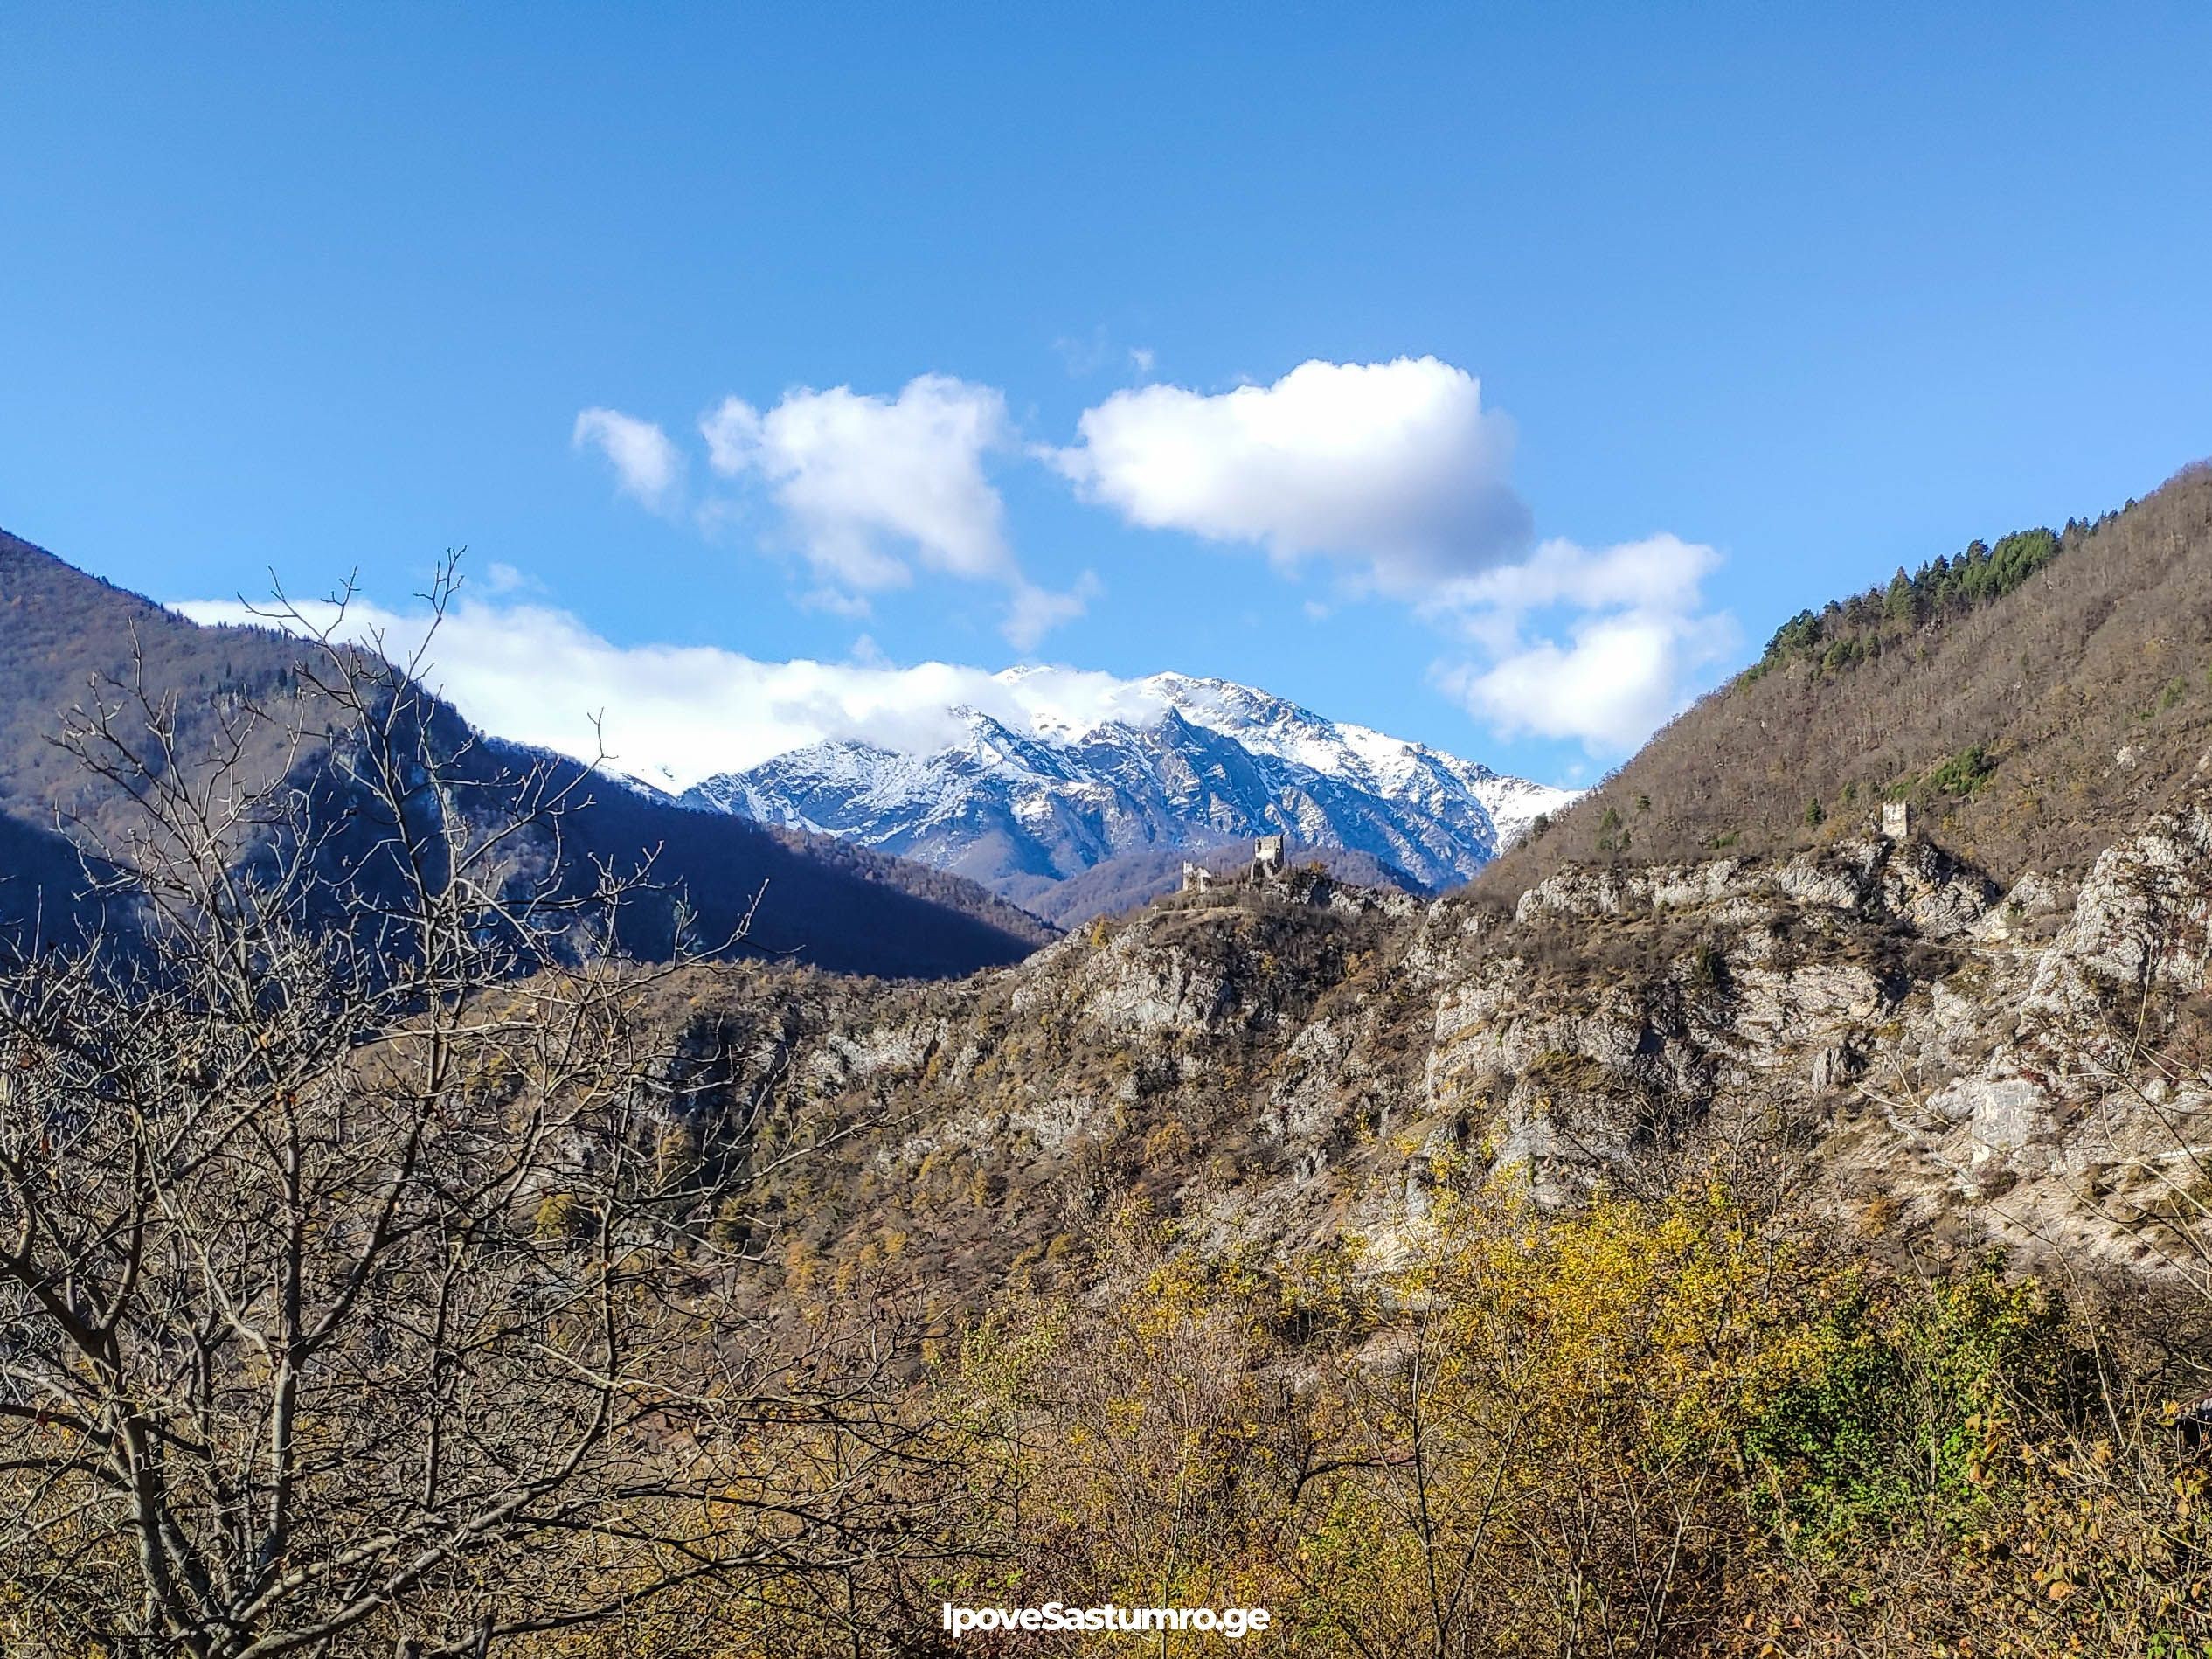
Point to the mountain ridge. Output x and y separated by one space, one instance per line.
1945 1052
1186 764
64 633
2032 701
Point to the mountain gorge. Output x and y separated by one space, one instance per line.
1197 764
1105 832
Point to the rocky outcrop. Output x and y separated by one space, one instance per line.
1911 884
1292 1065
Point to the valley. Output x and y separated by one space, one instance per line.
1786 1238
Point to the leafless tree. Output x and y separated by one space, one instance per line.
336 1305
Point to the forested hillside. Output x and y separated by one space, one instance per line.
2030 698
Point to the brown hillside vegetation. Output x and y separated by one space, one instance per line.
1191 1226
2028 729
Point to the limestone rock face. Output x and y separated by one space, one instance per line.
1294 1067
1137 992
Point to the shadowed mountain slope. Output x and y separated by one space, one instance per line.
64 635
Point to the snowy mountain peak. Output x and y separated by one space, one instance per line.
1121 767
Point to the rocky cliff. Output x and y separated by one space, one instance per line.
1918 1053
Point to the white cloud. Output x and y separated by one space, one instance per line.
1625 644
1035 611
1085 356
872 488
866 491
648 466
1619 679
677 714
833 601
862 481
1661 572
1394 471
1395 476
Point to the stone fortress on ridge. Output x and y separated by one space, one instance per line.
1270 861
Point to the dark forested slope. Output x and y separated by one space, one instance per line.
2032 698
63 635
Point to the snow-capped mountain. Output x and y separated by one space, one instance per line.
1187 762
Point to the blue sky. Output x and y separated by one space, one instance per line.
1630 329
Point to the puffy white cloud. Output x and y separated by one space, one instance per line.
863 480
676 714
648 466
1394 471
1624 642
1398 476
866 490
1394 475
1661 572
1617 680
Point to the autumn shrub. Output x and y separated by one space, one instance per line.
1644 1427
